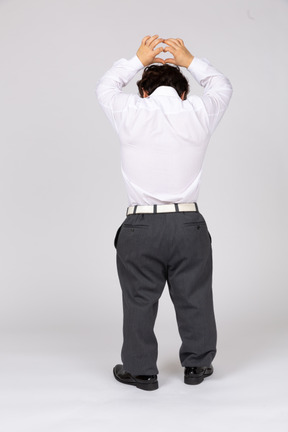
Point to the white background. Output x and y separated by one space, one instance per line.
62 199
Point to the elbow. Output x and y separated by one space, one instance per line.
226 90
97 89
229 87
230 92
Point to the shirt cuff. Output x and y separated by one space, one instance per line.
200 68
135 63
197 64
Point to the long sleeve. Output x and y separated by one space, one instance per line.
217 91
109 89
163 138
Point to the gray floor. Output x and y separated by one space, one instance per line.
59 382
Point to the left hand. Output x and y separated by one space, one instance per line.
146 52
182 57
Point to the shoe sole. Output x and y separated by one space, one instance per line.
195 380
142 386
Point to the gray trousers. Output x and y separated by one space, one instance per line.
150 250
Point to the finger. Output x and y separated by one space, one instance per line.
145 39
176 40
152 38
158 50
169 49
156 42
158 60
172 42
172 45
180 41
170 60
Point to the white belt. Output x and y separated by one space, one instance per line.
162 208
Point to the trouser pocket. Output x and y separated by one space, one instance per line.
117 235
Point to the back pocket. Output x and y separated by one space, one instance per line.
201 223
117 235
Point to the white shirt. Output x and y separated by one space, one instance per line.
163 139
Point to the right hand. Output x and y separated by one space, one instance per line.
147 51
182 57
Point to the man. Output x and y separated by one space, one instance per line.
164 135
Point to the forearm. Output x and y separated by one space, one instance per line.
217 92
117 77
214 82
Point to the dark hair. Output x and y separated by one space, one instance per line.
155 75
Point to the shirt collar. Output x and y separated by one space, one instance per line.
165 91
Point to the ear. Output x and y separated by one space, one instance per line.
145 94
183 95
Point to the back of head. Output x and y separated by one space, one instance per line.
163 75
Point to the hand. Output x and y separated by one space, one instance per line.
146 52
182 57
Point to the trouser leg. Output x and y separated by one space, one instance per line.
142 276
189 280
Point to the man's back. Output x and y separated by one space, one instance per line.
163 138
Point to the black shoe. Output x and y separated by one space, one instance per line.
195 375
143 382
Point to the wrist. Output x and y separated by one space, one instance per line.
189 61
141 59
137 62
